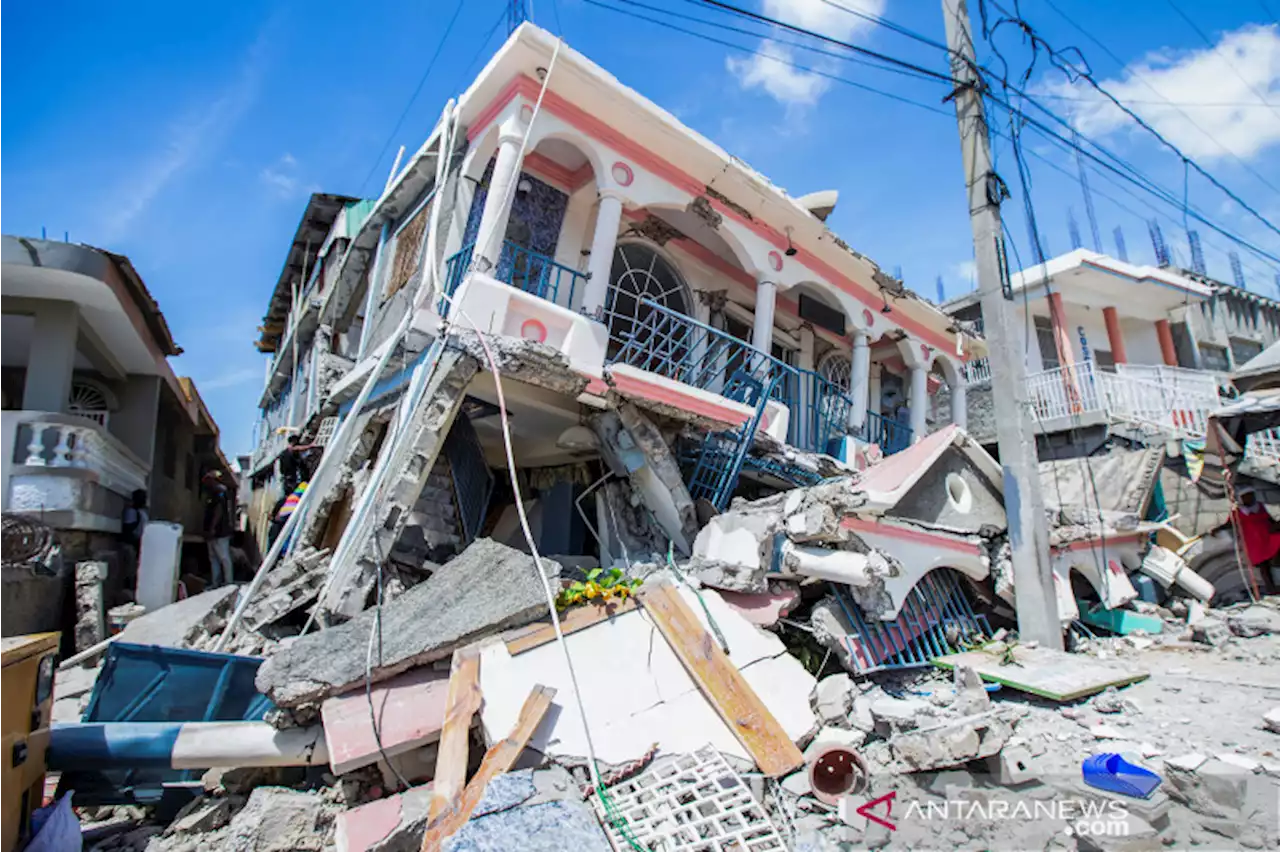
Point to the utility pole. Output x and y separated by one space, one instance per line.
1024 505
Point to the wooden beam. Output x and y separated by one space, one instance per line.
462 703
497 760
721 682
571 621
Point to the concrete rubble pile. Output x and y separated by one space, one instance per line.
831 649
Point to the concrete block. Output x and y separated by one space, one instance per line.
833 699
1271 721
1012 766
1256 620
952 743
396 822
486 588
900 713
763 610
830 736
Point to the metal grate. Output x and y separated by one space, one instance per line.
936 607
689 803
472 479
325 431
715 476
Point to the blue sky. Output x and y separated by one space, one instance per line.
189 136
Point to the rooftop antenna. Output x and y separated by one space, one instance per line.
1158 243
897 272
1088 196
1073 229
1197 252
942 292
1121 251
1237 271
517 14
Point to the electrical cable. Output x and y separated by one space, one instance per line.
444 39
1224 57
872 54
774 58
1073 73
1163 100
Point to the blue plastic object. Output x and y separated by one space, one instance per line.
148 683
1111 772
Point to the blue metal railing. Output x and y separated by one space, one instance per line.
523 269
715 475
652 337
891 435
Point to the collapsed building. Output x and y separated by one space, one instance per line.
571 336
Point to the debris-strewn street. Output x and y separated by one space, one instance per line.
601 498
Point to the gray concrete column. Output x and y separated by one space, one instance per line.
960 401
762 332
600 264
52 356
859 381
808 391
497 204
919 402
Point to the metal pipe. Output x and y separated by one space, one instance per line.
183 745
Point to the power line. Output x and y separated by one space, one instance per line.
885 58
416 91
779 59
1073 73
1227 59
1163 100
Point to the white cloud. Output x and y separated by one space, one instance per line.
787 85
966 273
199 131
768 69
282 176
1216 87
230 379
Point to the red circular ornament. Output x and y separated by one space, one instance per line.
532 329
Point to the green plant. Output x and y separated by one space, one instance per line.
599 585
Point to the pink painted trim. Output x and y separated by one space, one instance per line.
592 126
486 116
550 171
1094 543
856 524
634 386
596 386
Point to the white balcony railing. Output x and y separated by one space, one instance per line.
1175 404
976 372
74 443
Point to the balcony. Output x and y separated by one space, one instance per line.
656 340
523 269
68 470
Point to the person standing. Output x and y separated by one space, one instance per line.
217 527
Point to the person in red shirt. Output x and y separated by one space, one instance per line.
1259 533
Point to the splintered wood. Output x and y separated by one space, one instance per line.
497 760
463 703
721 682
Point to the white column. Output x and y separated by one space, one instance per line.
600 264
959 401
721 357
859 381
497 204
51 357
807 391
919 402
762 331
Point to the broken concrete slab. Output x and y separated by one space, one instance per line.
634 447
410 712
486 588
393 823
1055 675
183 623
951 743
534 811
833 700
1271 721
293 585
1256 620
764 610
91 616
403 470
637 692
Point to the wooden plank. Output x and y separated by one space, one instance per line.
463 703
1055 675
721 682
571 621
497 760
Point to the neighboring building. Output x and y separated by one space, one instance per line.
664 270
92 409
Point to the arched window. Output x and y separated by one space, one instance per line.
836 368
640 276
89 400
